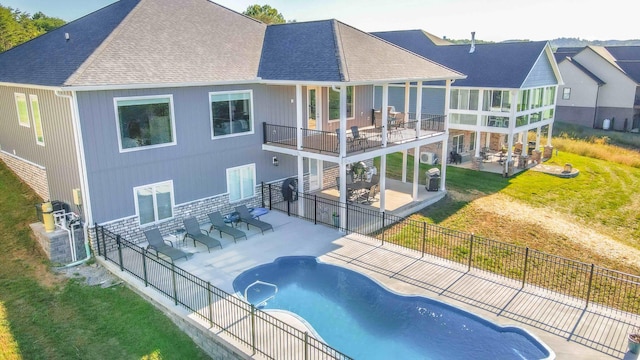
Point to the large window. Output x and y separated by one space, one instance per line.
23 112
523 100
464 99
231 113
37 119
537 99
241 182
334 104
549 96
154 202
145 122
496 100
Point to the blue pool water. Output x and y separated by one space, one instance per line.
358 317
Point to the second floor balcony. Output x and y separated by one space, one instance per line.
358 139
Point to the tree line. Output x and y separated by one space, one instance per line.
17 27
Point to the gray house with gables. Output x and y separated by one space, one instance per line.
147 111
504 107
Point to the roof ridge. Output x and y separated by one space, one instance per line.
342 61
102 47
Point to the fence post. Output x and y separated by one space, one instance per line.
210 304
589 288
253 328
270 200
175 286
526 263
383 227
288 208
470 252
306 345
144 267
424 236
119 252
262 192
346 214
315 209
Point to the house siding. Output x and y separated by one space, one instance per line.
432 99
575 115
541 74
56 161
196 164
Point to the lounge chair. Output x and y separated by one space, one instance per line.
158 244
357 139
217 222
246 217
194 232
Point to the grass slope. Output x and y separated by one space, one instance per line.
46 316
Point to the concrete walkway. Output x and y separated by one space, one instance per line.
561 322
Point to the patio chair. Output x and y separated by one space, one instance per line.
192 226
158 244
217 222
358 139
246 217
349 140
370 195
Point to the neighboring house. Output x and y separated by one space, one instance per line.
601 86
506 102
146 111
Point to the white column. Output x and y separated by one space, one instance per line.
385 113
300 183
383 181
477 143
549 134
416 172
418 108
445 142
343 192
404 165
299 118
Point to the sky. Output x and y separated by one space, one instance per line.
492 20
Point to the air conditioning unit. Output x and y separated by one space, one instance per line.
428 158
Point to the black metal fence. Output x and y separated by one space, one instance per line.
591 283
263 333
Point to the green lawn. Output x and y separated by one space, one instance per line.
603 197
46 316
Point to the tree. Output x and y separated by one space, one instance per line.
265 13
17 27
46 23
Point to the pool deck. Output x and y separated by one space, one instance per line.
561 322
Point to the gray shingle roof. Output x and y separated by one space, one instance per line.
50 60
157 42
329 50
168 41
499 65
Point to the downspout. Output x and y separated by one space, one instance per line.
77 137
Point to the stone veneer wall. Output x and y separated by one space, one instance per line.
56 245
130 229
33 175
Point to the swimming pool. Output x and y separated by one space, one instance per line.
360 318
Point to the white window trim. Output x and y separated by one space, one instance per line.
353 104
242 198
24 97
155 205
141 148
33 98
253 128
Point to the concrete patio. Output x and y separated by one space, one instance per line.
561 322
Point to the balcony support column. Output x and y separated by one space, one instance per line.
299 118
419 109
416 171
385 113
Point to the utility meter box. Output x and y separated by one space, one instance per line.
77 197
